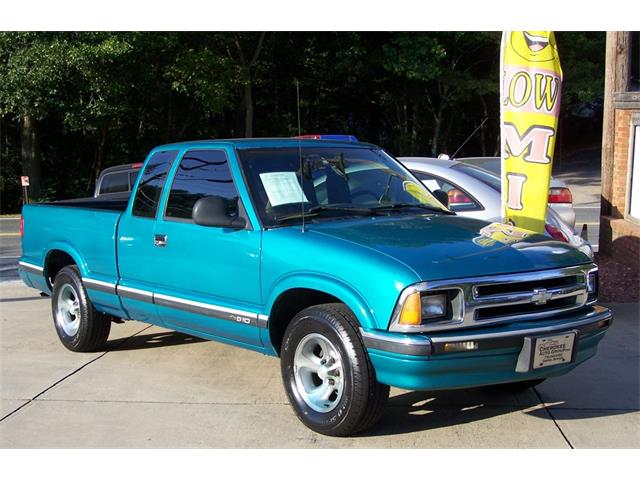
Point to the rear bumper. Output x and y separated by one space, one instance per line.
33 275
420 362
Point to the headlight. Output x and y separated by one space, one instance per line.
417 308
433 306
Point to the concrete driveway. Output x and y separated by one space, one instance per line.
157 388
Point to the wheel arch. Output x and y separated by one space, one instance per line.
296 293
59 256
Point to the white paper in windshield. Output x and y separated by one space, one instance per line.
431 185
282 188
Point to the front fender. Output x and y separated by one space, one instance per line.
327 284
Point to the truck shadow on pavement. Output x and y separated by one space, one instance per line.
423 411
606 386
152 340
21 299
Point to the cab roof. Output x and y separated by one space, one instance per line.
250 143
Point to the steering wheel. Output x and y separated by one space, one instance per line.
365 192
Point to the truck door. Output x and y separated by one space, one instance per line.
208 278
136 244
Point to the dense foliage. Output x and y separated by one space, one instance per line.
72 104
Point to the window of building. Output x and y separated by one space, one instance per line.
634 63
634 173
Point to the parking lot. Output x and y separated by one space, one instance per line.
157 388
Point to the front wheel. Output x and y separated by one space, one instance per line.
327 373
80 327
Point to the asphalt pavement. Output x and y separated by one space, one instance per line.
158 388
581 173
10 247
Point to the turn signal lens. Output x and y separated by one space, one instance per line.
556 233
560 195
411 310
460 346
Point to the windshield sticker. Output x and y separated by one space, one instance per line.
418 192
431 184
282 188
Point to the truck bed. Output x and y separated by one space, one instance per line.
116 202
84 227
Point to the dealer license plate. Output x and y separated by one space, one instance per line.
553 350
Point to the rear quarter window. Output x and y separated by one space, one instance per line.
151 184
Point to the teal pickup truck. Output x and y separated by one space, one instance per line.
330 255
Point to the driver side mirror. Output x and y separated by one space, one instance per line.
442 197
213 211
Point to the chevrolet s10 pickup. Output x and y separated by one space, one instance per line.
330 255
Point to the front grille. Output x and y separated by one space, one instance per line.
528 295
480 301
522 309
516 287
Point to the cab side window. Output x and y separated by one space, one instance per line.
151 184
201 173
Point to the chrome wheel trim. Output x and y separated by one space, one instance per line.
68 310
318 372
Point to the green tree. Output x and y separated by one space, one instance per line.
440 73
74 103
34 71
101 88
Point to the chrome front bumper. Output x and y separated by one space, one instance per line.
590 320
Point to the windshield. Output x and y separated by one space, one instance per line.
484 176
492 164
336 182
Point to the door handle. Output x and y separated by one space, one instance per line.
160 240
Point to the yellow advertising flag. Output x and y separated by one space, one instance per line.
529 106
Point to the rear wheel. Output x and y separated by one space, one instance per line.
327 373
80 327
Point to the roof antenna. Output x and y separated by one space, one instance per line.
468 138
300 153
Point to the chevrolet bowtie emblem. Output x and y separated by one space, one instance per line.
540 296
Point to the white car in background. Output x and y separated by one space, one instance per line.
560 198
474 192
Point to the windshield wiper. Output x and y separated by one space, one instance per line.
322 209
400 206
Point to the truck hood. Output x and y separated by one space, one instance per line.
440 247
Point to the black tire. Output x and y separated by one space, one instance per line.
519 386
362 400
88 329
